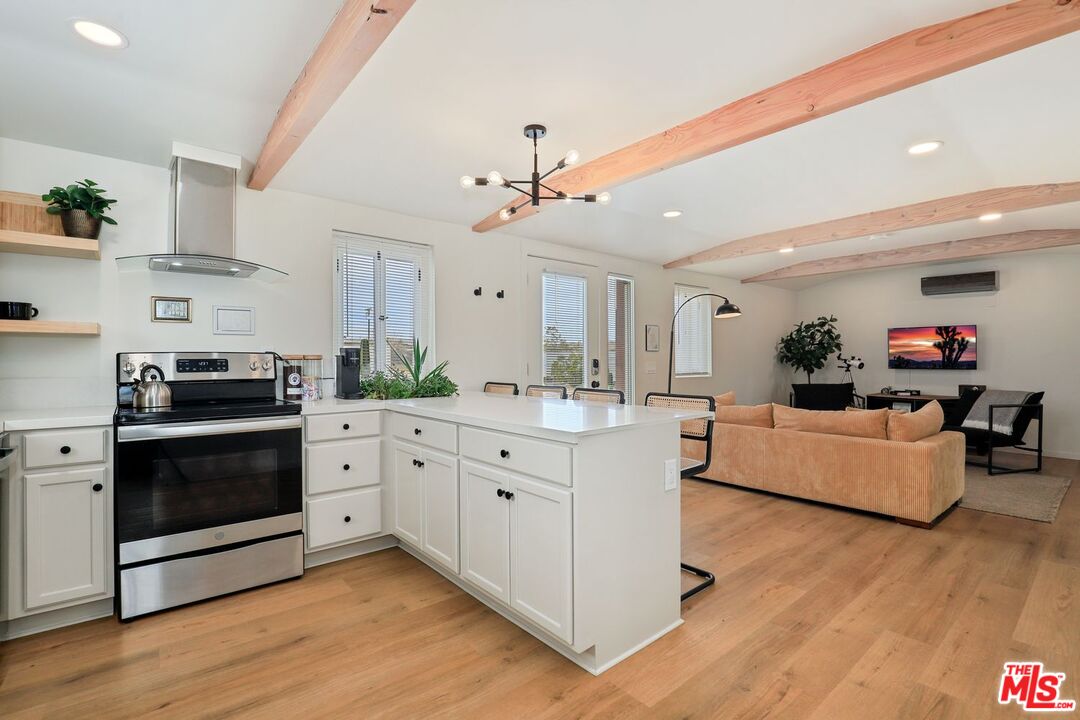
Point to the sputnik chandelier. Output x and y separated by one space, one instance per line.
532 189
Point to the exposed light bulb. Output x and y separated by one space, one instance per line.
672 213
504 214
603 198
924 148
100 34
572 157
467 181
495 178
568 199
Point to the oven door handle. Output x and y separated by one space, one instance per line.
198 429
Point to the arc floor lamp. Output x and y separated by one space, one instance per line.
724 310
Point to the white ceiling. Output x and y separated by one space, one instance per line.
450 89
207 72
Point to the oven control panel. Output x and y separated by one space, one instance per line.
202 365
197 366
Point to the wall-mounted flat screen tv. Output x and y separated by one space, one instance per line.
934 347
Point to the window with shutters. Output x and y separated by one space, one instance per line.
693 333
382 298
620 335
563 327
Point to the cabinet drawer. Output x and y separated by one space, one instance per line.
342 465
340 518
545 460
340 426
63 447
433 433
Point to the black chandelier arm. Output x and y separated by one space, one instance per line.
549 189
557 167
515 187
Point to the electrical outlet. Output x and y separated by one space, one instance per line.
671 474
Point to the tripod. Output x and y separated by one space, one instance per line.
846 364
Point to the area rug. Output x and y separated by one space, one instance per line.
1032 496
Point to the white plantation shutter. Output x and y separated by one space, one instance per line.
693 333
563 327
382 298
620 335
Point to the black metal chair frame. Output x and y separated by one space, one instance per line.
546 387
707 577
992 469
506 384
601 391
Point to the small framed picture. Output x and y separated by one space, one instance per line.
234 320
652 338
170 309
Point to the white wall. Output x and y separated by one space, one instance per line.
1027 338
481 337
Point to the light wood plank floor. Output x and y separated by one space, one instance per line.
817 613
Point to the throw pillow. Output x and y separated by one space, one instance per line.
914 426
753 415
726 399
865 424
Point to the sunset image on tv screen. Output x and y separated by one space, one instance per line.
941 347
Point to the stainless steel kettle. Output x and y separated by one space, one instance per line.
151 393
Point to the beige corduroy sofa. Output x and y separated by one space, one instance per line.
915 482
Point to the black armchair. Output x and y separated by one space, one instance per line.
984 441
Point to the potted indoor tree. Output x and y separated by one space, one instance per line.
807 348
81 208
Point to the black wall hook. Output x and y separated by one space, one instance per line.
478 291
501 294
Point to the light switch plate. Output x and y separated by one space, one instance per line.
671 474
650 368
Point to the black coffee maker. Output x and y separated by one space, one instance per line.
348 374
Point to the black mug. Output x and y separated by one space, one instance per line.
17 310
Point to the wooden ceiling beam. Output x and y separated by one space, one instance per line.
356 32
921 214
934 252
887 67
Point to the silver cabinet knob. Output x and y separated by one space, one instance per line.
129 368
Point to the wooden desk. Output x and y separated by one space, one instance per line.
875 401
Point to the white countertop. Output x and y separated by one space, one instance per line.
539 417
42 419
337 405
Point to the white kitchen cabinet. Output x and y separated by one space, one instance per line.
439 499
65 539
408 508
485 529
541 555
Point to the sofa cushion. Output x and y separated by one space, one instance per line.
725 400
914 426
866 424
754 415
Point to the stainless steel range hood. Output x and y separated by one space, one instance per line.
202 220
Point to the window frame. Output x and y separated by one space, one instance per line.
386 249
679 296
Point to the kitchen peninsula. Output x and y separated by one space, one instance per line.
512 499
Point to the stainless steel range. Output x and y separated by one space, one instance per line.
208 488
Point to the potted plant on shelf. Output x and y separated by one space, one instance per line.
81 208
412 382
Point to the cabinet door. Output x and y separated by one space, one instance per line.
407 493
440 501
65 536
485 529
541 563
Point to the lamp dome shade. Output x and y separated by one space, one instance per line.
727 310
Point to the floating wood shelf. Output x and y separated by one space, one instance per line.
48 327
17 241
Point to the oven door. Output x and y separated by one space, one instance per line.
188 487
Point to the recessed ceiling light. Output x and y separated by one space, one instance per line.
100 34
672 213
787 249
925 148
990 216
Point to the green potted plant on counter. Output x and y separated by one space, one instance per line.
81 208
410 382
